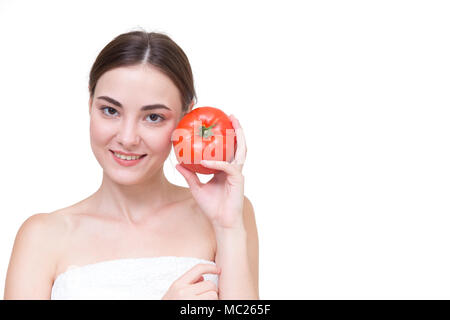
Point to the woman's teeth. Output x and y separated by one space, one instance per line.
127 157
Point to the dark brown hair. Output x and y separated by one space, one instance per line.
140 47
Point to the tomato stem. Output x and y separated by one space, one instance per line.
206 132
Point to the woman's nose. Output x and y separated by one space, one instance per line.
128 134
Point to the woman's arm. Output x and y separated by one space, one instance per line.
238 257
222 200
32 264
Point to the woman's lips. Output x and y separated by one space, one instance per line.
127 163
126 153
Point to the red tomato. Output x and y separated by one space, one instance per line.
205 133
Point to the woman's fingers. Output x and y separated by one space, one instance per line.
194 274
221 165
191 285
210 295
191 178
241 149
204 286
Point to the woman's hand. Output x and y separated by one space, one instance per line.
190 286
222 198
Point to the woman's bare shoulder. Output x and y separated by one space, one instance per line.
46 224
48 232
45 234
44 228
33 258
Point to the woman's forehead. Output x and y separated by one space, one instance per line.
139 85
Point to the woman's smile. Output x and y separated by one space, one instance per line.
127 161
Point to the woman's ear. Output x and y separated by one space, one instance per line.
190 107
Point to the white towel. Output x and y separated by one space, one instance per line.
130 278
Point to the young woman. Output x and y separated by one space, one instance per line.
140 236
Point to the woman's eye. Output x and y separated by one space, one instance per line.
108 111
155 117
104 109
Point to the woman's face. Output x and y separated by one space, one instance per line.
118 121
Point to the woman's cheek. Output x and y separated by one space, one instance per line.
160 142
100 137
100 132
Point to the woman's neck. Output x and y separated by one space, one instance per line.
136 203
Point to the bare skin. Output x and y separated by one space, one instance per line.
136 212
178 229
78 235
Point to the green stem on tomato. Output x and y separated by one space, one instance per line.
206 132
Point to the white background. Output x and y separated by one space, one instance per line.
345 108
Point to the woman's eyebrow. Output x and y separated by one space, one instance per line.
144 108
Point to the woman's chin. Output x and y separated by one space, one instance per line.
126 179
